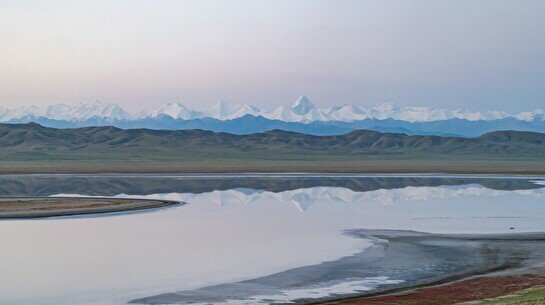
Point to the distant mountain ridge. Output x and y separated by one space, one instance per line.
303 110
249 124
303 116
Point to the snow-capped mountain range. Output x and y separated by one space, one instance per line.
66 112
302 111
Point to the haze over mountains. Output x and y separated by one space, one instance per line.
302 116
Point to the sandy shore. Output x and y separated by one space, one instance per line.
471 290
423 266
519 266
11 208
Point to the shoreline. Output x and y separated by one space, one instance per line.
35 171
413 260
473 289
46 207
499 281
282 174
362 165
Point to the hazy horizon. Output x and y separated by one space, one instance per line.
475 55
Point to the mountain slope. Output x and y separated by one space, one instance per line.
30 138
31 148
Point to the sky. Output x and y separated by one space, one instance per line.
477 55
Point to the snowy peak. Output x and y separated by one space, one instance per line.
100 110
427 114
303 110
225 111
174 110
346 113
536 115
220 109
410 114
177 111
97 110
302 106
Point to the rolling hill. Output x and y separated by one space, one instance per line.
96 147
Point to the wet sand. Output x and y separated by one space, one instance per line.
519 266
470 290
412 260
13 208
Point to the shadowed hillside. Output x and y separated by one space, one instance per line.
35 138
24 143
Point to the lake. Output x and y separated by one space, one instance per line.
253 239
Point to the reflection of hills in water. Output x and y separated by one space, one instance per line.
304 198
133 185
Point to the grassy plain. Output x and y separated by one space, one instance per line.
533 296
200 163
31 148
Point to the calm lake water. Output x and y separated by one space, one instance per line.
267 234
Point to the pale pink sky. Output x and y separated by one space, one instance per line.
472 54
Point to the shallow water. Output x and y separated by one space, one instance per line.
237 228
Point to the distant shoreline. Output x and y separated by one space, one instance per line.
282 175
243 166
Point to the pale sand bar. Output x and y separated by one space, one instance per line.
11 208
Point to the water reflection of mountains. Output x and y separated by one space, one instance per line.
111 185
